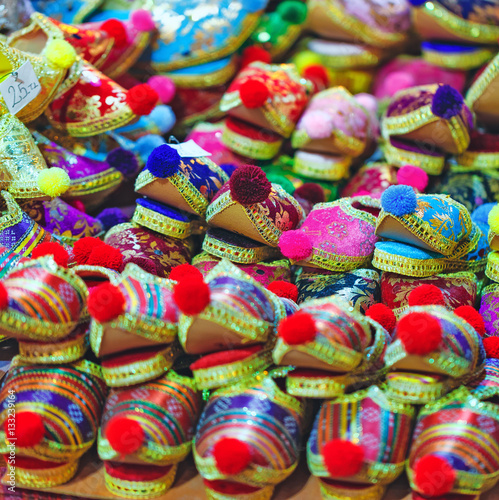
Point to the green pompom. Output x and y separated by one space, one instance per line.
285 183
293 11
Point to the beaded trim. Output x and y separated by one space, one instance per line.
484 80
166 225
432 165
213 79
458 61
238 254
478 160
252 148
417 392
44 478
141 489
337 169
261 494
406 266
66 351
337 492
468 30
366 57
317 387
217 376
142 371
96 183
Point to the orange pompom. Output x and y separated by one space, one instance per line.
124 435
58 252
284 289
191 296
342 458
298 328
419 332
106 302
231 455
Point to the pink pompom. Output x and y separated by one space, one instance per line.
142 20
361 192
399 80
368 101
318 124
295 245
164 87
413 176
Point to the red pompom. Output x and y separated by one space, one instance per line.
106 256
383 315
83 248
142 99
116 29
178 273
231 455
473 317
318 75
78 204
253 93
420 333
191 296
29 429
433 476
255 53
343 458
426 295
4 297
312 192
106 302
58 252
125 435
249 184
297 328
491 345
284 289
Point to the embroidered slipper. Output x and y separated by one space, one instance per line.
456 57
321 166
350 450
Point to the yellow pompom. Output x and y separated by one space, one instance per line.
53 181
305 59
494 219
60 53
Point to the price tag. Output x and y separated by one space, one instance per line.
189 149
20 88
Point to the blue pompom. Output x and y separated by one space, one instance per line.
124 161
111 217
447 102
147 144
255 5
480 216
399 200
164 161
164 118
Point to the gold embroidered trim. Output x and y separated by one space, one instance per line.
349 146
337 492
317 387
108 179
218 77
261 494
432 165
492 269
141 489
484 80
459 61
252 148
43 478
474 160
337 167
417 392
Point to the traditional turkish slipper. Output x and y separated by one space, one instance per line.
185 182
487 385
336 123
400 153
379 24
451 290
134 323
209 137
167 220
482 153
360 288
50 58
24 173
321 166
489 305
248 438
9 260
263 272
52 427
153 252
249 140
333 347
334 236
456 57
91 181
249 204
471 254
271 97
67 11
42 301
446 353
444 451
138 463
62 220
237 248
349 449
435 115
492 269
418 219
445 21
230 309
